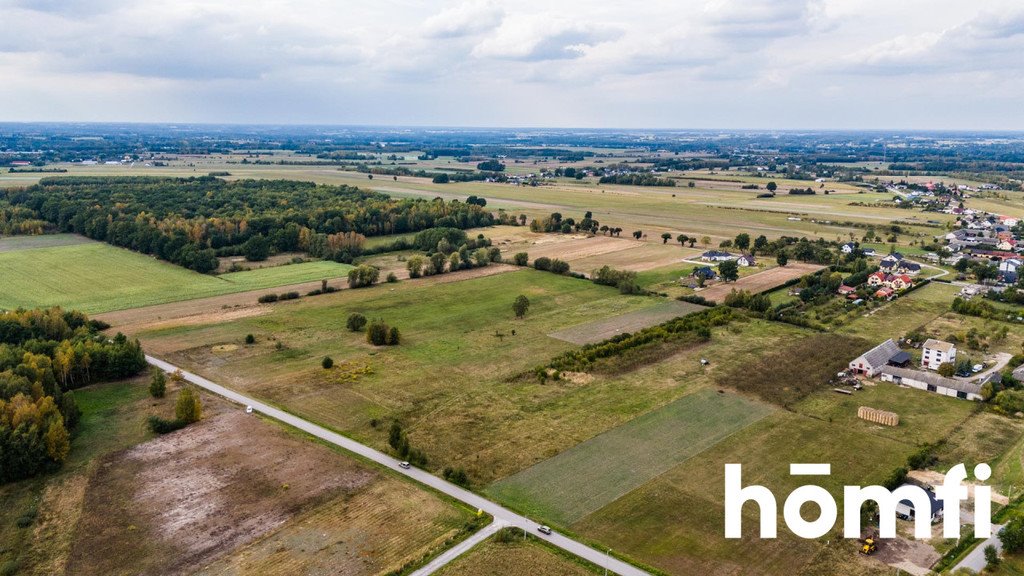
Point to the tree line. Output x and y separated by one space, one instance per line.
44 354
189 221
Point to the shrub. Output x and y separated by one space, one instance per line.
377 332
391 279
521 258
363 275
456 476
163 426
327 362
188 408
559 266
250 339
267 298
158 383
542 263
355 322
288 296
394 337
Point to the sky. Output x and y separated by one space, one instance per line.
757 64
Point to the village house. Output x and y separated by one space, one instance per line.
871 362
890 263
905 508
848 248
908 267
894 282
746 260
934 353
716 256
931 382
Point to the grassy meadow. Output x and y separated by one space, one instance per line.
96 277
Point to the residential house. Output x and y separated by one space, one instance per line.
871 362
885 293
894 282
936 352
716 256
848 248
905 508
746 260
931 382
848 291
705 272
869 251
890 263
908 267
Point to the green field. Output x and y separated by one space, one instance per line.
96 277
592 474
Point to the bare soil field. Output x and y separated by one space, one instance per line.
760 282
183 500
591 332
586 253
271 261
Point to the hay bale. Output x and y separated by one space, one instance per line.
877 416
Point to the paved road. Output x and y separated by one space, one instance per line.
459 549
975 561
500 513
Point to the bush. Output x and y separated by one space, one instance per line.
456 476
327 362
441 179
267 298
356 322
380 334
158 383
559 266
288 296
394 337
250 339
188 408
542 263
391 279
696 299
162 426
363 275
521 258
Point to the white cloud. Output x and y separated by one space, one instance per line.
668 63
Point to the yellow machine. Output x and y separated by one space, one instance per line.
868 546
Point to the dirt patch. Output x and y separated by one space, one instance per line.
760 282
222 348
178 502
933 479
912 556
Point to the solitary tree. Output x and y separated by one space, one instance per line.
665 237
782 259
705 240
521 305
729 270
946 369
521 258
637 234
158 383
188 408
742 241
991 557
327 362
355 322
682 239
772 186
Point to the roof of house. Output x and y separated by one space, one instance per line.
938 345
748 257
910 265
933 379
881 354
906 279
901 357
935 504
844 289
714 253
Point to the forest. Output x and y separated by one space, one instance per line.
190 221
44 354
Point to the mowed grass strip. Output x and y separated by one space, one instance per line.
593 474
96 277
16 243
598 330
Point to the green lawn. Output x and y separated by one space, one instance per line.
96 277
594 473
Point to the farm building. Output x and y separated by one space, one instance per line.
931 382
871 362
934 353
905 508
716 256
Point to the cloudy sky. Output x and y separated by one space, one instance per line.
655 64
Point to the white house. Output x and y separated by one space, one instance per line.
746 260
848 248
871 362
905 508
936 352
716 256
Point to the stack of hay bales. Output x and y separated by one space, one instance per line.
877 416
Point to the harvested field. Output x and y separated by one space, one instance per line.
590 475
180 501
760 282
515 559
598 330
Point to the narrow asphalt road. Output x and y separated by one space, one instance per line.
500 513
975 560
459 549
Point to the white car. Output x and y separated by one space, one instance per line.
546 530
404 465
248 409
